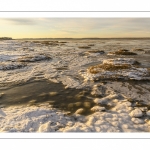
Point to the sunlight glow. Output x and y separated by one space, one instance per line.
74 27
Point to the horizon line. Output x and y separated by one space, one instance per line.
84 38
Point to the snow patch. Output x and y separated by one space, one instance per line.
132 73
136 113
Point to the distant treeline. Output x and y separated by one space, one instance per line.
5 38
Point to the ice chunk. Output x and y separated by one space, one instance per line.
79 111
45 127
148 113
105 100
137 120
136 113
98 108
120 61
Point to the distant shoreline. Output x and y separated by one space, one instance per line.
128 38
83 38
6 38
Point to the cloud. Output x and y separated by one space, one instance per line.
22 21
79 26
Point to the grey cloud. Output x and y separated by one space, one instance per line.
22 21
76 25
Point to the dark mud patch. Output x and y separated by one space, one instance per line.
139 83
84 47
147 52
35 58
108 67
11 66
122 52
96 51
47 43
62 68
55 94
91 45
62 42
138 49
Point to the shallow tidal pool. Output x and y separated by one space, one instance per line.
37 92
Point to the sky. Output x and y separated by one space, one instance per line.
74 27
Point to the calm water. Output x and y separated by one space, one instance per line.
35 93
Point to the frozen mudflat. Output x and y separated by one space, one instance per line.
75 85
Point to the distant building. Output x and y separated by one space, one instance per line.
5 38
